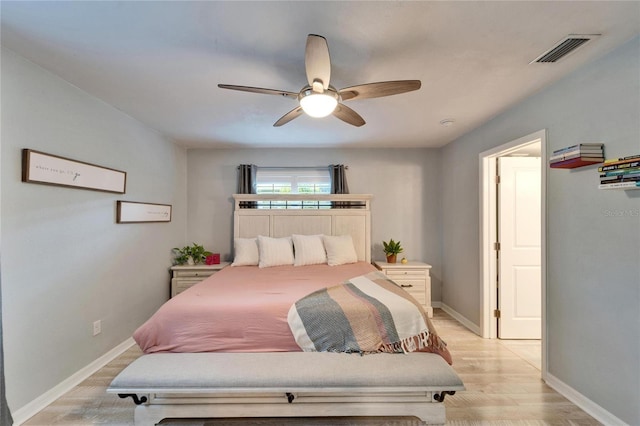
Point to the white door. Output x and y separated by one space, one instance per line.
519 234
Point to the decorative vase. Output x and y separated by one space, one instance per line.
190 261
391 258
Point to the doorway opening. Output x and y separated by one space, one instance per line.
532 146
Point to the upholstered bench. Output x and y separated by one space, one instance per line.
286 384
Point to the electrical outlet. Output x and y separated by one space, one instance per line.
97 327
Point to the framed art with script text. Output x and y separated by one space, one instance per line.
134 212
48 169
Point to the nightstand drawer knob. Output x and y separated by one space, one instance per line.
406 285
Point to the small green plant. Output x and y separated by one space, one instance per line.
196 252
392 247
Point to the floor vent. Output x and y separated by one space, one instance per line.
564 47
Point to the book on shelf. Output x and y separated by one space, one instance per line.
575 162
624 171
620 185
577 149
580 146
575 154
583 153
620 178
622 159
619 165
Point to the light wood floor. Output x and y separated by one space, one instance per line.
503 388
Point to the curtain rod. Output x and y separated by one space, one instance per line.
294 167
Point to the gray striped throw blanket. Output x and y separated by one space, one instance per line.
366 314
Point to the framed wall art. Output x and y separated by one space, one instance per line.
135 212
49 169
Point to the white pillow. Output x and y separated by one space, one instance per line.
340 250
246 252
309 250
274 251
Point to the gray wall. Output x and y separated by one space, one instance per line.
65 263
593 236
404 182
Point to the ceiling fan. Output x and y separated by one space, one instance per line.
319 98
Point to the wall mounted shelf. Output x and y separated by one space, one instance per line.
571 157
575 163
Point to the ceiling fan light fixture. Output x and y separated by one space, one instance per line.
318 105
319 98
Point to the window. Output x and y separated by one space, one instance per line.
291 180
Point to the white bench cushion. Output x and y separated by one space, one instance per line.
285 371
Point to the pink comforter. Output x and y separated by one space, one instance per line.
239 309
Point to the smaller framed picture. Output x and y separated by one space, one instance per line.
135 212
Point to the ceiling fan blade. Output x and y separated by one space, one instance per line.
259 90
294 113
348 115
377 90
317 61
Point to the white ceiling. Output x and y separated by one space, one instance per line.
160 62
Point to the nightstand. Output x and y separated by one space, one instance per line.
413 277
184 276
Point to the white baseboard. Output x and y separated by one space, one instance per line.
32 408
461 319
590 407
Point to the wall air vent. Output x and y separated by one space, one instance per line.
564 47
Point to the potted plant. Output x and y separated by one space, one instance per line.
191 255
391 249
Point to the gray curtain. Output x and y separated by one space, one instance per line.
338 179
247 183
247 178
5 413
339 184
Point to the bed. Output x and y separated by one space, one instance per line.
250 364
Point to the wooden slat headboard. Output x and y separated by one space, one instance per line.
276 215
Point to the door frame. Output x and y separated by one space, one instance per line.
488 264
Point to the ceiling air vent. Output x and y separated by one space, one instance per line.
564 47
